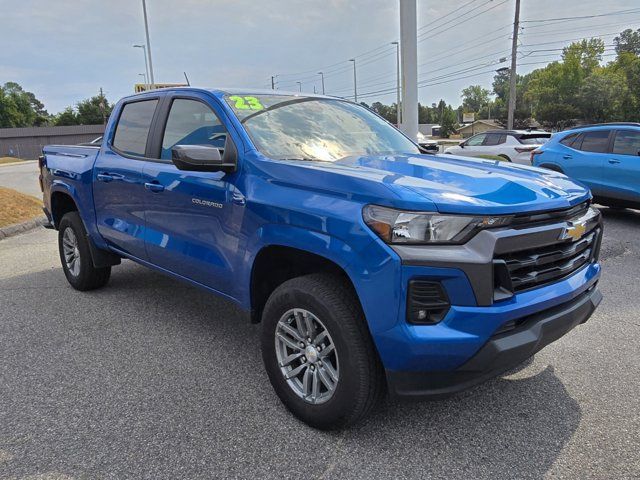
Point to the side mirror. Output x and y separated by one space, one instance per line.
462 145
200 158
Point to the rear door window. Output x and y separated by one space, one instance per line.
627 142
494 139
596 141
133 126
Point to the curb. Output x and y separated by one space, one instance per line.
21 162
15 229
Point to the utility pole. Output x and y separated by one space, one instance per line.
146 29
103 107
409 57
512 75
398 111
355 81
322 76
273 82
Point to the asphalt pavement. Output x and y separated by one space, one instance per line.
151 378
21 176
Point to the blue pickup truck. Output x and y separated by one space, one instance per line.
371 267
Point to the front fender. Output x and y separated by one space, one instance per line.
374 269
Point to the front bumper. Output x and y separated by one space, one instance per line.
501 353
492 323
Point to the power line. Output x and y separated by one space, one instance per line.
566 40
423 38
529 34
448 14
341 67
619 12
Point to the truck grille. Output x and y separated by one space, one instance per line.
525 269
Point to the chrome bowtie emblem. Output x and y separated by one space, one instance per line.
574 231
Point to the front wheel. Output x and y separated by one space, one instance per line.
75 255
318 352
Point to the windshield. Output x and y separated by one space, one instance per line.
317 129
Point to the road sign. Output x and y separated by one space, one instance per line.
142 87
468 117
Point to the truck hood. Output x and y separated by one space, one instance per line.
450 184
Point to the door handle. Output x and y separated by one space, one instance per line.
154 187
613 161
105 177
567 157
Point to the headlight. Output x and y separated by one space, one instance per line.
399 226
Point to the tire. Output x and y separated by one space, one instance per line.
75 255
330 304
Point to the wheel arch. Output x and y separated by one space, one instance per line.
275 264
551 166
62 202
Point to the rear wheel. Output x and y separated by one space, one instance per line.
318 352
75 255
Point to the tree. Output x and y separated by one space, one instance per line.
557 116
449 123
66 117
601 96
474 98
94 110
87 112
628 42
628 65
19 108
385 111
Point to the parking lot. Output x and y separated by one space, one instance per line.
150 378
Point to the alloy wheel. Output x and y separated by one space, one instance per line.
307 356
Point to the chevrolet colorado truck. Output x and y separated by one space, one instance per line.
371 267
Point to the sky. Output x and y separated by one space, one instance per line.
65 51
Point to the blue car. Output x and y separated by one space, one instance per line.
604 157
371 267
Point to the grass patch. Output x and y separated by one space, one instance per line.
10 160
493 157
16 207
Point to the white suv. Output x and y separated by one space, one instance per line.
512 145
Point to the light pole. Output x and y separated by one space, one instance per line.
299 86
322 76
398 113
355 81
144 77
146 66
409 57
273 81
148 51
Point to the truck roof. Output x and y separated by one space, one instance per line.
219 92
